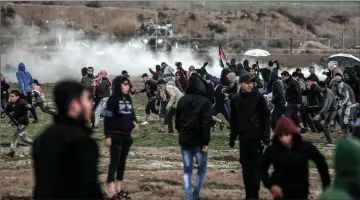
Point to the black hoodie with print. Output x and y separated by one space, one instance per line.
18 112
119 112
194 114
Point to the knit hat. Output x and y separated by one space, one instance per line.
285 125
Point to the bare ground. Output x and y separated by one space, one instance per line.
155 173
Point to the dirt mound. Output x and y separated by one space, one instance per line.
249 20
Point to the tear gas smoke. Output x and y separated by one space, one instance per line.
49 65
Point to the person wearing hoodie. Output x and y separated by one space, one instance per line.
347 104
172 95
328 110
289 154
346 185
293 99
353 81
24 80
102 94
39 98
193 121
65 155
17 112
88 79
119 122
249 122
4 94
151 93
246 65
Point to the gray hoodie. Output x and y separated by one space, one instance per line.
329 103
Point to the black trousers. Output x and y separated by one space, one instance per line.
292 111
250 159
43 108
278 111
151 107
119 151
169 118
28 98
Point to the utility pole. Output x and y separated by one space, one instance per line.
156 30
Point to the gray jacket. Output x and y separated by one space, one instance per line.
329 103
345 95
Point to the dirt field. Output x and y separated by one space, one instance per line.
154 166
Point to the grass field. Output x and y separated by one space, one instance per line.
154 166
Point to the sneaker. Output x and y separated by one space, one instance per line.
145 123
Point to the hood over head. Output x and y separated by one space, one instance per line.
347 166
21 67
116 86
196 85
285 125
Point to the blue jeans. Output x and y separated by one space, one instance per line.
188 154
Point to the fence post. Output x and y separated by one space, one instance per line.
291 46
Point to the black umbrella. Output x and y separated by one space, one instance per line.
345 60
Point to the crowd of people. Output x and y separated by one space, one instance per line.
253 102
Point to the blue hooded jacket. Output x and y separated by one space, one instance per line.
24 78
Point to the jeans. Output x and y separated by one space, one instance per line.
188 154
99 109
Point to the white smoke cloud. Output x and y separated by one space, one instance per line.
48 65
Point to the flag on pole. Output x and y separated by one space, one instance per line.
222 59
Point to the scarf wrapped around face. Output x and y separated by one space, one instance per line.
102 74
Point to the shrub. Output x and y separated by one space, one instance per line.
162 15
93 4
192 16
218 28
124 27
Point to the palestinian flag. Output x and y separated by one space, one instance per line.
222 59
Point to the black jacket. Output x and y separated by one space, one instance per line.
4 90
313 96
119 112
194 114
150 88
278 93
249 116
354 83
18 112
66 162
219 97
291 167
103 89
292 91
314 77
274 75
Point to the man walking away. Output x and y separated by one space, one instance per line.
193 122
279 101
328 110
250 123
65 155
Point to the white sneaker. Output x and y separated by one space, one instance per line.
145 123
